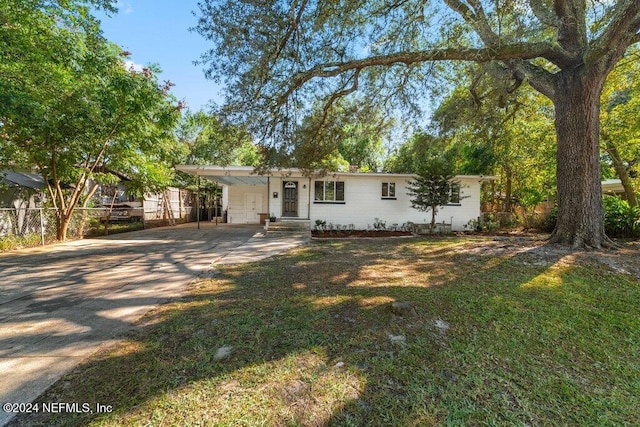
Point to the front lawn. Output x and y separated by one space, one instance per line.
503 333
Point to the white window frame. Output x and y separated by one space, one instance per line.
455 188
329 185
390 190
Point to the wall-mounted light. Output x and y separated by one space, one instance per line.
304 185
275 194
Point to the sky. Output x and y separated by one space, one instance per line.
157 32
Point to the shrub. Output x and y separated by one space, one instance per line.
620 220
549 222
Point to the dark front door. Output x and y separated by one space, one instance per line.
290 199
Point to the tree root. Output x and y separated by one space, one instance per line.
577 242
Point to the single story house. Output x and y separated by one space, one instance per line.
355 200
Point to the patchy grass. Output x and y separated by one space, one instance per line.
503 334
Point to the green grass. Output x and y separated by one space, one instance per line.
555 342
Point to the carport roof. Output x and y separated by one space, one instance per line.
235 175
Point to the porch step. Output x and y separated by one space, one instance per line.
289 226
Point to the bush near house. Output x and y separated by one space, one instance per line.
620 219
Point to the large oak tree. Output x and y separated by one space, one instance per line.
277 55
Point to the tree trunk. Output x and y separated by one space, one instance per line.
63 226
433 217
580 208
508 173
622 173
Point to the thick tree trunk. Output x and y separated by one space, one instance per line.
580 208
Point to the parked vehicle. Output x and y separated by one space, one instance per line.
129 211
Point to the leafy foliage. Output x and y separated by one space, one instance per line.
210 139
350 133
621 220
72 110
432 186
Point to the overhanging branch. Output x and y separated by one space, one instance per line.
622 31
522 51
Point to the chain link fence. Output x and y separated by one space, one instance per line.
38 226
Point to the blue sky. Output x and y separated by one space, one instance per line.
157 31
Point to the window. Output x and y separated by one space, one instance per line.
388 190
454 193
329 191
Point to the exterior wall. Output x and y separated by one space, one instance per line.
364 203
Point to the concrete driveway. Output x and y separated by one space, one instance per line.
61 303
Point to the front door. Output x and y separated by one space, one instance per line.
290 199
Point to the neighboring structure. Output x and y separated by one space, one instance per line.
346 199
612 187
21 190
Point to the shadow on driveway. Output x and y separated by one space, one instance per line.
61 303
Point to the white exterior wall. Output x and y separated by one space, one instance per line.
364 203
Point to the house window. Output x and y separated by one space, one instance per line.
388 190
454 193
329 191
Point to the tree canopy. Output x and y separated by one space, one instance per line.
278 56
72 110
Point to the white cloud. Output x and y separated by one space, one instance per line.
129 64
124 7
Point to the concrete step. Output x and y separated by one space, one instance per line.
289 226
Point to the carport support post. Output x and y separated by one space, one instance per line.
198 200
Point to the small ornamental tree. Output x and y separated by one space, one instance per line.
431 190
434 166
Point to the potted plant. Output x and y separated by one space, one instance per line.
272 217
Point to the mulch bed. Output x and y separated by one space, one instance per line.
358 233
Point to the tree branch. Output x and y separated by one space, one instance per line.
477 19
540 79
502 53
572 34
621 32
544 15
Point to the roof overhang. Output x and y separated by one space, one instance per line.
236 175
247 175
22 179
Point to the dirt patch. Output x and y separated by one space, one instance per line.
625 259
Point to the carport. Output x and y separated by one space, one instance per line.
249 196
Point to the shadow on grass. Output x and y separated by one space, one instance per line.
497 338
